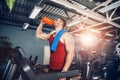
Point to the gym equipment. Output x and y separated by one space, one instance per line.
9 70
5 49
30 58
28 74
33 63
118 49
108 66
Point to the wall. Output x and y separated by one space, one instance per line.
25 39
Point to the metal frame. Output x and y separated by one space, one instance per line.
87 13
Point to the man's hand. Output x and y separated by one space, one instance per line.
41 22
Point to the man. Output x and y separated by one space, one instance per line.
61 59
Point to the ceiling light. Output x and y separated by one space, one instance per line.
110 7
77 4
96 31
109 35
97 3
106 27
25 26
95 78
91 0
35 12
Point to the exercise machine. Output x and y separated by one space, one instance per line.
28 74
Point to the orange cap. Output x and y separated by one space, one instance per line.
48 20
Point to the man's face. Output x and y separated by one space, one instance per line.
57 22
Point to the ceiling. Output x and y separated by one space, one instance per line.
80 15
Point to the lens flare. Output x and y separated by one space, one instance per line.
88 40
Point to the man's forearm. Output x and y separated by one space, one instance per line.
68 62
39 29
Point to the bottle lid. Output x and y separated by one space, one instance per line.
48 20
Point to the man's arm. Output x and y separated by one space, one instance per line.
40 34
69 45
